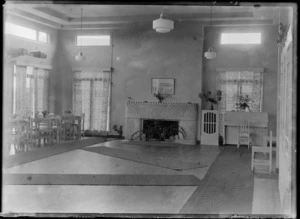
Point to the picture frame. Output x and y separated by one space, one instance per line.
163 85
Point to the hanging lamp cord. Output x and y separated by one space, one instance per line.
81 32
211 13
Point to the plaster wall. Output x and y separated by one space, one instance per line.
12 43
245 56
139 54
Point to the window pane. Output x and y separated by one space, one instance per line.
241 38
20 31
43 37
103 40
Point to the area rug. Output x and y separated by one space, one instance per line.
227 187
156 143
100 179
43 152
161 161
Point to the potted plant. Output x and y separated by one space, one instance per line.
244 102
213 100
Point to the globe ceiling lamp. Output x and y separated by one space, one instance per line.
163 25
210 54
80 57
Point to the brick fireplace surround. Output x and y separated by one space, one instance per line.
185 113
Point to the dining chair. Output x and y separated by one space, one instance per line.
32 135
67 127
44 131
77 127
262 155
56 128
245 134
18 135
82 124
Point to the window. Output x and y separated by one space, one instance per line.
235 83
30 90
241 38
43 37
91 97
20 31
26 33
100 40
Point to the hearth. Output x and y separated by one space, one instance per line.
165 114
160 130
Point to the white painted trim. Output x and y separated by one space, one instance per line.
21 63
108 70
240 69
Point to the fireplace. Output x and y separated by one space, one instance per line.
160 130
182 117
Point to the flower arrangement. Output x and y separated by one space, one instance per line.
160 96
213 100
45 112
244 102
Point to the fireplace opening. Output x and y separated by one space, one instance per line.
160 130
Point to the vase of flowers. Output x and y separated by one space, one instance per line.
45 112
207 96
160 96
244 103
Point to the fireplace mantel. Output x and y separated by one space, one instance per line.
185 113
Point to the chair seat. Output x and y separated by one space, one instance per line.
260 149
244 134
262 155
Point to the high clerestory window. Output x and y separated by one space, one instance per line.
241 38
97 40
27 33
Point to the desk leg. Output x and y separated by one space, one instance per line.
224 135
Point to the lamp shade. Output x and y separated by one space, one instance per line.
210 54
80 57
163 25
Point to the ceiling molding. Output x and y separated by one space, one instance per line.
33 17
94 26
242 22
53 13
174 17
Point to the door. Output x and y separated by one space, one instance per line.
285 125
210 127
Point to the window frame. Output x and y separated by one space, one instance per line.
47 35
76 40
37 32
240 71
241 34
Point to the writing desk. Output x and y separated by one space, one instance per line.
232 120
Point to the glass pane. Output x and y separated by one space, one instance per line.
103 40
20 31
43 37
241 38
231 96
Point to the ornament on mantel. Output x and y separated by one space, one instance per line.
213 100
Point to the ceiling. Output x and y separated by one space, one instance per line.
68 16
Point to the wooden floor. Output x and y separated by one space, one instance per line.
80 180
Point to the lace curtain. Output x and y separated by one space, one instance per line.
236 83
91 97
30 90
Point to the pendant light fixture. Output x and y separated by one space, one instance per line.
80 57
210 54
163 25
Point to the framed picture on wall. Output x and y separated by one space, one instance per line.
163 85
